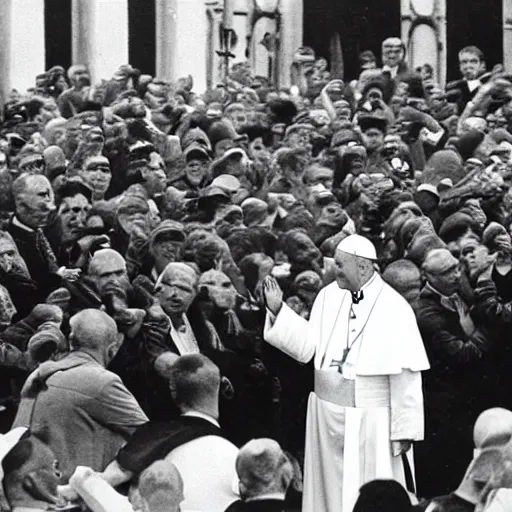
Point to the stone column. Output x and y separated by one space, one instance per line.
166 21
425 42
22 44
507 35
291 37
181 27
191 42
100 36
5 49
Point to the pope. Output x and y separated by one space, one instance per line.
367 405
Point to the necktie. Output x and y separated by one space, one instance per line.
45 249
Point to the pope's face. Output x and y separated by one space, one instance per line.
347 271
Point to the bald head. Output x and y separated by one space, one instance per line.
107 269
105 258
263 468
93 331
493 428
161 487
405 277
176 288
195 381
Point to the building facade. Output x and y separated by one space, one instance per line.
174 38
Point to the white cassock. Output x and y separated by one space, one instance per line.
353 417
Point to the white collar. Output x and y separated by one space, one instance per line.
16 222
473 84
197 414
269 496
370 282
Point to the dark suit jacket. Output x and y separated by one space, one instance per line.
35 261
257 506
461 89
457 361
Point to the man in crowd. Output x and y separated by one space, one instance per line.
83 411
264 474
193 443
472 67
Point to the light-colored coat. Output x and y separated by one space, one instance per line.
81 410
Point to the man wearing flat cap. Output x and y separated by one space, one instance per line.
367 405
456 389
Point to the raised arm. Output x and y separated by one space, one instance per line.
284 329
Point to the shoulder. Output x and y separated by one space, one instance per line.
456 84
236 506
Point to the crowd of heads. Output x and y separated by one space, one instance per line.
136 198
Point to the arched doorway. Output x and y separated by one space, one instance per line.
142 35
362 25
57 19
474 22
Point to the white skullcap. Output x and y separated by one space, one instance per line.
358 246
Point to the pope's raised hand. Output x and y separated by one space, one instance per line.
273 295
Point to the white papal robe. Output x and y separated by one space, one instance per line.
352 421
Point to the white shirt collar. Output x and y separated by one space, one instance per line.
196 414
473 84
16 222
269 496
393 71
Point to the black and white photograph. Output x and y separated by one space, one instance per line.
255 255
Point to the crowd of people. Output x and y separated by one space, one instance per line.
149 234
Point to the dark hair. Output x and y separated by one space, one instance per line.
243 242
202 248
382 496
188 387
72 188
474 50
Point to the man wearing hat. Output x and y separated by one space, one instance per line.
367 405
457 383
196 168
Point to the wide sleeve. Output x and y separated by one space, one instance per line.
289 333
407 420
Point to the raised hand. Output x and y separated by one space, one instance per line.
273 295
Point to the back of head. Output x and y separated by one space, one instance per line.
263 468
195 381
401 274
382 496
92 329
161 487
493 428
104 258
